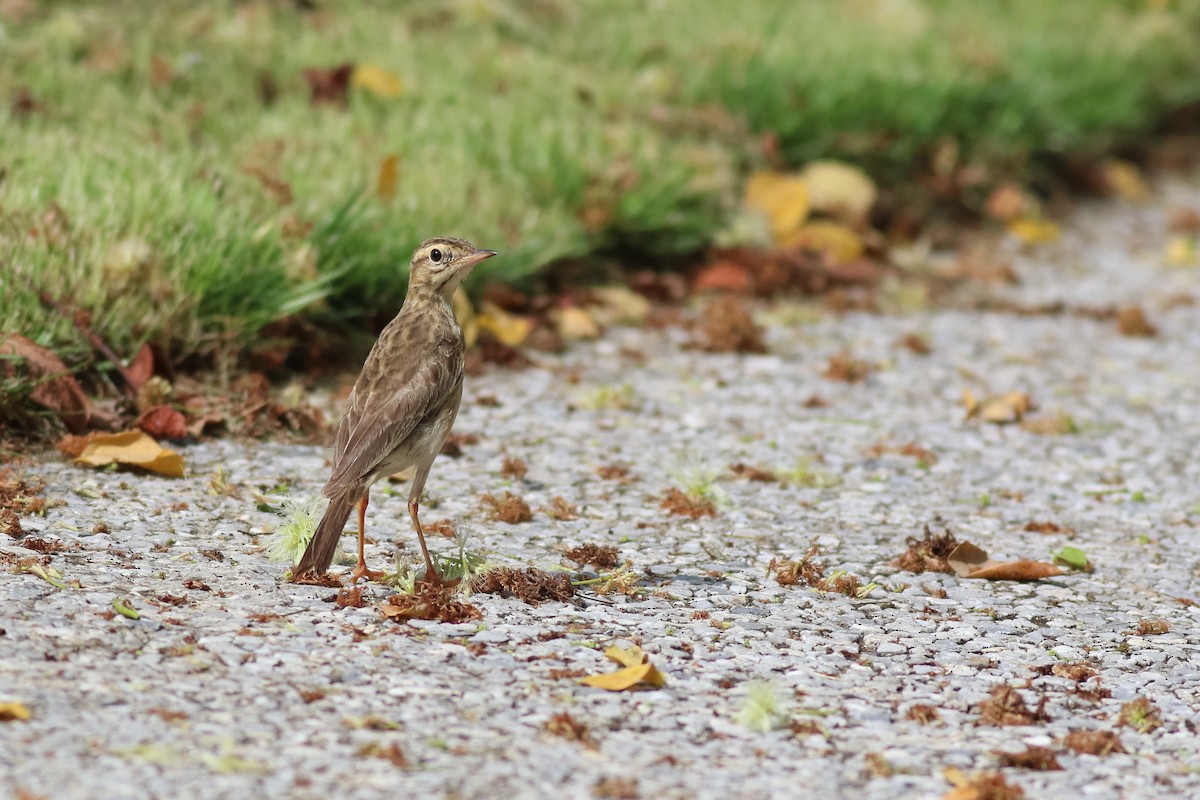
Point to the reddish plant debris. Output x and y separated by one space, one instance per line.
1093 743
350 597
442 527
911 450
915 343
1072 671
816 401
311 695
39 545
455 442
1005 706
328 580
430 601
616 787
923 714
1153 627
513 468
1042 527
807 727
530 585
600 556
565 674
213 555
790 573
927 554
564 725
101 527
685 505
561 510
1141 714
173 599
985 786
723 276
168 714
390 752
508 508
728 327
753 473
1032 757
1132 321
197 585
1184 220
330 85
163 422
54 386
970 561
614 472
842 366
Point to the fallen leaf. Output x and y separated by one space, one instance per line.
783 197
723 276
55 388
638 672
509 329
1132 321
1181 251
14 711
575 323
377 80
389 174
833 239
969 561
728 326
163 422
618 305
131 448
1034 231
1125 180
985 786
1001 410
329 85
141 367
1072 557
1094 743
1006 202
839 190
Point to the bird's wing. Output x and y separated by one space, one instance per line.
387 403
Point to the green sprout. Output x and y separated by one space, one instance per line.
301 515
765 710
700 482
806 475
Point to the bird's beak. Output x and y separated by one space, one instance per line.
474 258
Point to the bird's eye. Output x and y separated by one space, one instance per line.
435 255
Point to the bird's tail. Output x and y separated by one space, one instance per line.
319 554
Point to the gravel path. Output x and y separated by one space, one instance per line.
236 684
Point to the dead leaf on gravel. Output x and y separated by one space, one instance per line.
530 585
1005 706
970 561
390 752
839 190
923 714
1001 410
984 786
564 725
350 597
1152 627
1132 321
723 276
1094 743
430 601
19 496
638 672
55 388
1124 180
916 343
682 504
753 473
1056 423
573 323
507 508
843 366
132 449
928 554
14 711
600 556
1141 714
727 326
561 509
1032 757
163 422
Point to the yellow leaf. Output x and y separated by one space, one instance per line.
622 679
14 711
575 323
617 305
389 172
840 242
510 329
1126 180
1001 410
465 314
1033 231
625 657
377 80
839 190
131 448
1181 252
783 197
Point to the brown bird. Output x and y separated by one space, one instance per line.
403 404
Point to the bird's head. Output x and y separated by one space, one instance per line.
440 265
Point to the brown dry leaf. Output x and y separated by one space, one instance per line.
1001 410
1125 180
1032 757
1006 202
56 388
969 561
163 422
574 323
638 673
134 449
508 508
928 554
751 473
842 366
389 175
984 786
377 80
1034 231
14 711
561 509
530 585
783 197
723 276
678 502
1132 321
729 327
840 243
430 601
1057 423
329 85
1005 706
141 367
839 190
510 330
600 556
618 305
1094 743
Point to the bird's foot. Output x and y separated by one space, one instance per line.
361 571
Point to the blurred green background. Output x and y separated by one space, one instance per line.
166 166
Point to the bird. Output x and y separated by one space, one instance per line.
402 406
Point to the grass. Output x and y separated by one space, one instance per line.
147 178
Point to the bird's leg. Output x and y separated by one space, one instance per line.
361 570
431 574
